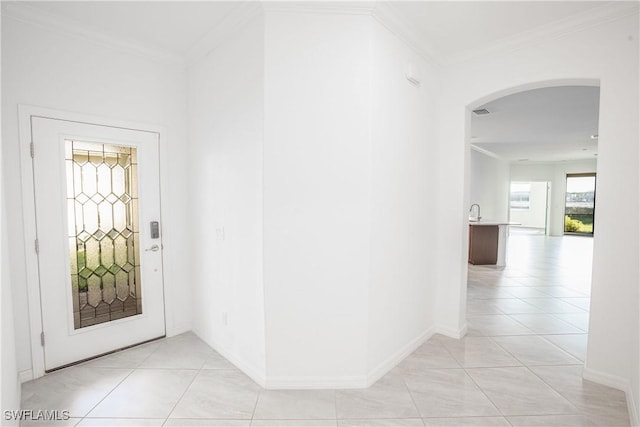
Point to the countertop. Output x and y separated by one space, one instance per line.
491 222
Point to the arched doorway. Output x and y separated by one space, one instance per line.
541 292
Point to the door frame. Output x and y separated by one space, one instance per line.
547 202
25 113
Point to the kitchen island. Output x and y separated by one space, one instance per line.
488 242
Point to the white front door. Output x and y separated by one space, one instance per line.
97 198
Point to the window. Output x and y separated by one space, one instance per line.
580 203
520 193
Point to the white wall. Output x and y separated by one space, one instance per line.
607 53
403 186
316 196
50 69
536 214
489 185
225 193
326 209
10 391
556 174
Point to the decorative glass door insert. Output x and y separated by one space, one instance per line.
102 207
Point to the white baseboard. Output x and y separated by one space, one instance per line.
351 381
381 370
341 382
452 332
26 375
323 382
618 383
609 380
632 405
249 370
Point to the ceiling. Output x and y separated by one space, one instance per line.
445 29
540 125
455 28
169 26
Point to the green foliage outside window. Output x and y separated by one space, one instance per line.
576 226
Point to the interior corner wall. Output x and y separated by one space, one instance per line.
607 53
226 91
489 185
316 197
403 131
63 72
556 174
452 214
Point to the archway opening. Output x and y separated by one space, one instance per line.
540 284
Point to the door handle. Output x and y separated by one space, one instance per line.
154 248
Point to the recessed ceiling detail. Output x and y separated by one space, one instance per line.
542 125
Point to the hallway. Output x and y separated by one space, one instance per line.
520 364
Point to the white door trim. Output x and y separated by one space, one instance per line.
25 112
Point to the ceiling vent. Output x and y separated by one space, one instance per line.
481 112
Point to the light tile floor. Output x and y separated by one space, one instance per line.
519 365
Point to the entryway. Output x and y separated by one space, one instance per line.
96 194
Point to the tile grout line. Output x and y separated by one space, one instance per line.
548 314
255 406
526 364
413 400
484 393
478 385
544 336
569 323
199 370
117 385
558 392
107 395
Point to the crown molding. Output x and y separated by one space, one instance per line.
321 7
389 18
486 152
382 11
603 14
26 13
246 11
230 24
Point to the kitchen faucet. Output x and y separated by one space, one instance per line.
477 216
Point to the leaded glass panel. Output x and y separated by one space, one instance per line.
102 201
